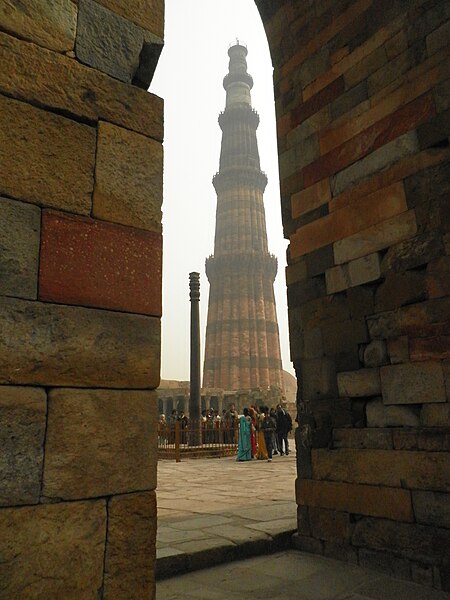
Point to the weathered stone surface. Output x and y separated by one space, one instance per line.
362 438
130 548
393 468
403 146
318 378
432 508
356 272
99 442
78 254
45 78
147 13
399 289
51 25
48 344
128 178
329 524
337 279
375 354
412 253
438 277
23 416
398 349
354 384
56 154
435 415
110 43
384 562
422 438
376 237
53 550
416 542
368 500
412 383
380 415
430 348
19 243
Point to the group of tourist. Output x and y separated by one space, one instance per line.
263 433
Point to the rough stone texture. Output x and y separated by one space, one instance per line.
110 43
92 263
130 549
398 350
63 84
435 415
362 438
423 438
56 154
19 242
399 289
51 25
393 468
99 442
376 237
147 13
128 178
380 415
416 542
356 499
432 508
375 354
48 344
384 562
413 383
22 418
53 551
364 382
330 525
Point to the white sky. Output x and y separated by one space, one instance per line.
189 77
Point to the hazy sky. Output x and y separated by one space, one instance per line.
189 77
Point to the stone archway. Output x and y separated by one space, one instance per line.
362 102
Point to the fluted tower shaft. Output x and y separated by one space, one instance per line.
242 349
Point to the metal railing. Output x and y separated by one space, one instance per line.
204 439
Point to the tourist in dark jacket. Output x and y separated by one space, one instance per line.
284 426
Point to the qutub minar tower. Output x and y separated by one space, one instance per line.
242 349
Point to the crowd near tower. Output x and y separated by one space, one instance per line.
242 349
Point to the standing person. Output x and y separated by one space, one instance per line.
262 450
268 426
275 446
284 426
252 413
244 444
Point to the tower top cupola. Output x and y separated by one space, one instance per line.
238 82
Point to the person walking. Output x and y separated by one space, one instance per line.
284 426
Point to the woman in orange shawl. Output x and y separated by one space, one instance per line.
262 449
252 414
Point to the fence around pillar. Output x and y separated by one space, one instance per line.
199 439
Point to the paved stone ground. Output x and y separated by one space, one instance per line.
216 510
291 575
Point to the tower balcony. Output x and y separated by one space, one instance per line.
226 179
240 112
248 262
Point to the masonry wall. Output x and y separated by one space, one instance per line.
80 297
362 99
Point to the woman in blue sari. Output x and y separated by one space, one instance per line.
244 443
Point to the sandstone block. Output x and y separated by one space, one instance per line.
19 241
438 277
23 417
365 269
51 25
147 14
112 44
48 344
438 38
310 198
367 500
412 541
337 279
53 550
296 272
379 415
384 562
374 238
435 415
379 159
422 438
398 350
354 384
392 468
318 379
399 289
130 548
99 443
128 178
56 153
61 83
412 383
433 348
442 95
432 508
328 524
362 438
92 263
375 354
307 544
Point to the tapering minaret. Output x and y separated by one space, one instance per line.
242 349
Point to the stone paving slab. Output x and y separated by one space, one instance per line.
291 575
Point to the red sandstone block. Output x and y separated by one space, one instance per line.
377 135
431 348
93 263
318 101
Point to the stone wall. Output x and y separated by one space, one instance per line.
80 296
362 99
